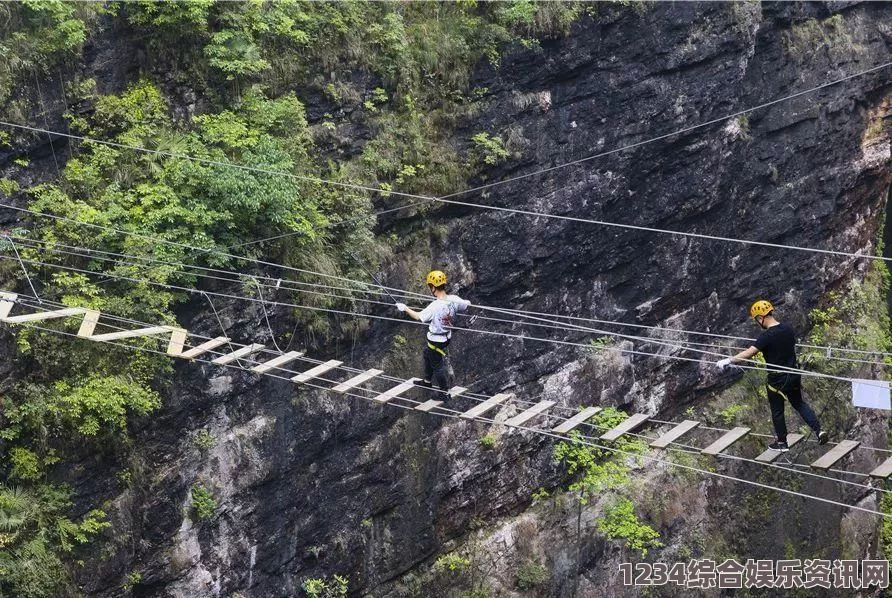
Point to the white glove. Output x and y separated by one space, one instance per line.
723 363
401 306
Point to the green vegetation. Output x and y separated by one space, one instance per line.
204 440
323 587
486 150
620 521
530 575
451 563
729 414
203 504
488 441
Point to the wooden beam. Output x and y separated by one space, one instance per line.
275 362
769 455
396 390
177 342
428 405
577 420
7 300
204 347
317 371
884 470
674 434
114 336
530 413
626 426
45 315
725 441
237 354
481 408
357 380
836 454
88 325
457 391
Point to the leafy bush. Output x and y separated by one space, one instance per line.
451 563
531 574
203 504
489 151
620 521
336 587
488 441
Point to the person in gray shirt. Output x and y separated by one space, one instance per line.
439 316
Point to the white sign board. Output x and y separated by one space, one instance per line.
873 394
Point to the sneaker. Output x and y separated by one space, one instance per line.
823 437
781 447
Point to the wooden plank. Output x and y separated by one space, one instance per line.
88 324
428 405
577 420
626 426
674 434
530 413
177 342
884 470
275 362
113 336
835 454
204 347
396 391
457 391
237 354
45 315
357 380
317 371
481 408
769 455
7 300
725 441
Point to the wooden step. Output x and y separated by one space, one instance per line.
577 420
45 315
275 362
204 347
769 455
177 342
428 405
456 391
884 470
726 441
137 333
626 426
357 380
88 324
835 454
237 354
317 371
7 301
481 408
530 413
674 434
396 391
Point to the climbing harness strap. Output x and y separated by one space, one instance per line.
433 347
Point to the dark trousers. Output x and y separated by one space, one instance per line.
436 365
789 388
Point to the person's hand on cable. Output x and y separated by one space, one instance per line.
400 307
724 364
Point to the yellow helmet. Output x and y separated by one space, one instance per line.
436 278
761 308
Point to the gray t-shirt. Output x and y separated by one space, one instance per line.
439 315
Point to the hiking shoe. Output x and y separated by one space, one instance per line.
823 437
780 447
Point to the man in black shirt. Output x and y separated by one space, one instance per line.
777 342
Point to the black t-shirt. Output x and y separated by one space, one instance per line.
778 346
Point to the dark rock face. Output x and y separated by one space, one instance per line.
312 484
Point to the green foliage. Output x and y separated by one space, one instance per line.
488 441
451 563
530 575
323 587
25 464
486 150
886 525
34 534
203 504
8 186
620 521
133 579
729 414
204 440
102 403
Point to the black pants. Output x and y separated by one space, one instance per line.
789 388
436 365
